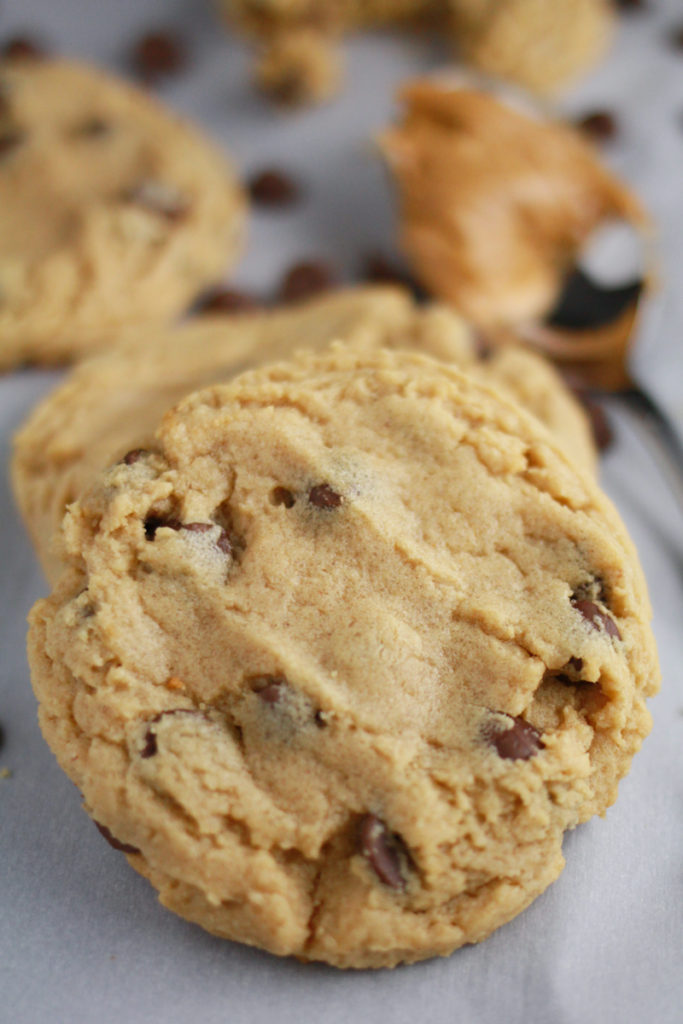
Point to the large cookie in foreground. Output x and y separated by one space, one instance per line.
339 663
114 402
114 211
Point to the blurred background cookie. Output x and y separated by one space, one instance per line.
115 211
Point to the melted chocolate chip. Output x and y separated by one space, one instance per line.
518 743
158 54
600 125
271 187
10 140
154 523
281 496
596 617
584 304
133 456
150 748
269 688
22 48
224 544
322 496
158 198
226 300
113 841
304 280
383 850
93 128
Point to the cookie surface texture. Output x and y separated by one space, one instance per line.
342 659
112 403
115 211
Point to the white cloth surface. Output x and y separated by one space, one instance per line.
82 937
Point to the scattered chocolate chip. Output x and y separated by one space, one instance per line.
596 617
268 688
304 280
133 456
322 496
676 37
271 187
518 743
599 125
93 128
281 496
157 197
226 300
583 304
10 140
22 48
576 664
157 54
113 841
383 850
154 523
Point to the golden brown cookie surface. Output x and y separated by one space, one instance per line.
114 402
345 656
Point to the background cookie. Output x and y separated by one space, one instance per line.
114 402
539 44
339 664
115 211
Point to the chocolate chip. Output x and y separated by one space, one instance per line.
154 523
271 187
226 300
158 54
224 543
304 280
10 140
596 617
113 841
269 688
22 48
133 456
322 496
150 748
281 496
676 37
519 742
93 128
383 850
378 269
157 197
583 304
600 125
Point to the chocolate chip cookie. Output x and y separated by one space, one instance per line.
115 212
539 44
112 403
339 661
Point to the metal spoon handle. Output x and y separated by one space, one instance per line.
660 435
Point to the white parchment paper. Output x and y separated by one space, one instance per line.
82 937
